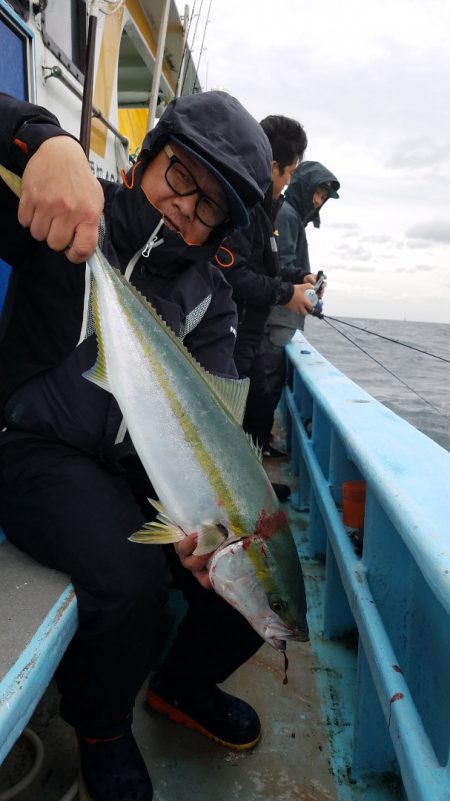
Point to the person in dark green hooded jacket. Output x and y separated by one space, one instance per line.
311 186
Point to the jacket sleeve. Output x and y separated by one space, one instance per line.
292 246
23 128
251 284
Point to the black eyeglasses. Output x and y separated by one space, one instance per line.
183 183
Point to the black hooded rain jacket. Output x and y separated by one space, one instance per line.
293 217
46 337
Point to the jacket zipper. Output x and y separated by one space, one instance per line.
153 240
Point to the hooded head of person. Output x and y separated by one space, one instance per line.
311 186
201 170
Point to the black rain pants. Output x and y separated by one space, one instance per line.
74 513
249 360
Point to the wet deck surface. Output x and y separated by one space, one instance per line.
290 763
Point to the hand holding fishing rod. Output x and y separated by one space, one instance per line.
315 295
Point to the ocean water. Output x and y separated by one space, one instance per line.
425 401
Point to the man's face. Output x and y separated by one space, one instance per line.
281 177
319 197
179 211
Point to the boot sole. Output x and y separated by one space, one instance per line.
177 716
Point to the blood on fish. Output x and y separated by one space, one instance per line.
268 524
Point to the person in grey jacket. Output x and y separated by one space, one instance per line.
311 186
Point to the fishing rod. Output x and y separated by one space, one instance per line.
192 47
202 47
187 20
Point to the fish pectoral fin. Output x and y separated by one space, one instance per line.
210 536
158 533
162 514
161 531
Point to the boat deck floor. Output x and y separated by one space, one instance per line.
297 758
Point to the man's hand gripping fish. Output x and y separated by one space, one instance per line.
185 425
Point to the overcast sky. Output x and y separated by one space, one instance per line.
369 81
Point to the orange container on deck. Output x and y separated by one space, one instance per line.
353 503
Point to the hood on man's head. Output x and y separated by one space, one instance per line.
308 176
218 130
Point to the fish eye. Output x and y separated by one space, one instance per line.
277 605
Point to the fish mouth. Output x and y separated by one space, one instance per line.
278 635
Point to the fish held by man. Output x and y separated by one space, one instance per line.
185 425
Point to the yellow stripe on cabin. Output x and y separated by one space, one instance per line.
133 124
105 78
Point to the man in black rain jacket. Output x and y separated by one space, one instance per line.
311 186
249 260
71 487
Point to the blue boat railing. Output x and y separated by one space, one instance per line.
397 593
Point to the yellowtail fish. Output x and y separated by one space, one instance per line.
185 425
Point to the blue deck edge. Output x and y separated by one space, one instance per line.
396 594
27 679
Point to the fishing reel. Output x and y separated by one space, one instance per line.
313 296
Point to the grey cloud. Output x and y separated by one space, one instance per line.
376 239
360 268
344 226
418 244
413 154
418 268
434 231
353 268
356 252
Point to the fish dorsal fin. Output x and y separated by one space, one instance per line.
12 180
98 374
231 393
257 449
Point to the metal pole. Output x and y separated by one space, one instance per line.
183 52
88 85
158 65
